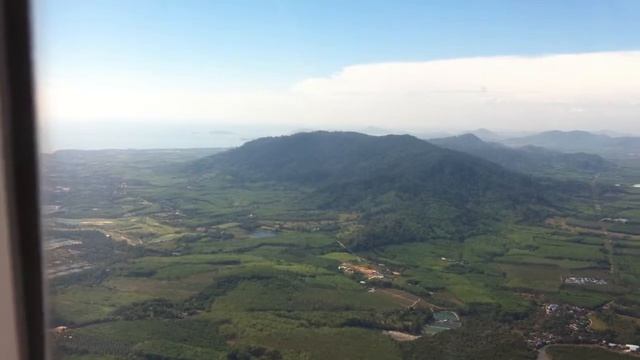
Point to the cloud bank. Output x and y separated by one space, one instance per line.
568 91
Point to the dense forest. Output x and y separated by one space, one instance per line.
406 188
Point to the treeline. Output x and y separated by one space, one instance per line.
477 339
406 320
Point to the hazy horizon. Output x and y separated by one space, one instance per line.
116 74
135 136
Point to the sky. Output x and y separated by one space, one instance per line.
184 73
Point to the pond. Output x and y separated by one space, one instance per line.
442 321
262 234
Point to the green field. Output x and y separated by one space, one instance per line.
584 353
203 267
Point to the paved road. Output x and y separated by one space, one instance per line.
543 355
608 241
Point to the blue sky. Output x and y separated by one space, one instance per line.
240 45
275 41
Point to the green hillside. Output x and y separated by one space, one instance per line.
407 189
527 159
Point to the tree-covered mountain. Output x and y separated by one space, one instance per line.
582 141
405 188
527 159
486 134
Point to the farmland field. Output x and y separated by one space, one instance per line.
203 268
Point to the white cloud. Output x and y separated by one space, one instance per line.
588 91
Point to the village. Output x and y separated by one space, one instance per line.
554 324
443 319
581 280
558 324
367 271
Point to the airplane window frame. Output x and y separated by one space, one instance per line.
19 162
19 188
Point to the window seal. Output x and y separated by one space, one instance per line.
19 147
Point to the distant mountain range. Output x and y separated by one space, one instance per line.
526 159
581 141
407 189
486 135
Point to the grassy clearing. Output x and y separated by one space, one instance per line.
467 290
597 324
300 296
522 257
297 340
84 304
327 343
566 352
534 277
175 290
341 257
424 255
121 338
282 239
578 297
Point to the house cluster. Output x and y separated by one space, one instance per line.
309 226
121 189
60 329
628 348
173 218
368 272
615 220
62 189
571 324
581 280
551 308
273 227
574 311
568 324
540 340
214 232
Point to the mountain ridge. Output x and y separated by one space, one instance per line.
527 159
581 141
407 189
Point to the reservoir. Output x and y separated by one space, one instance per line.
261 234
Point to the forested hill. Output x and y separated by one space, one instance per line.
528 159
407 189
318 157
582 141
323 158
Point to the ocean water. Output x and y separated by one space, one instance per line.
158 135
